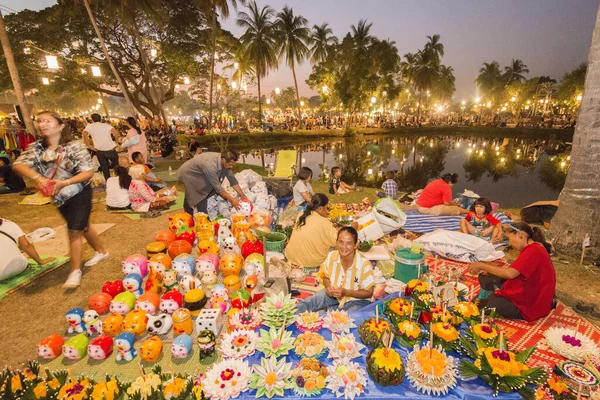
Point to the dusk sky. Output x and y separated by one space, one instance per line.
551 36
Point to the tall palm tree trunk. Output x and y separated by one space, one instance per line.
297 94
14 76
108 59
212 61
259 102
419 109
579 210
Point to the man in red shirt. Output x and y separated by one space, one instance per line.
436 198
527 286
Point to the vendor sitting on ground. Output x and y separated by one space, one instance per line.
117 190
436 198
336 186
526 287
347 276
481 223
12 241
145 200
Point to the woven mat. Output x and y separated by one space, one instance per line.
310 285
32 272
178 205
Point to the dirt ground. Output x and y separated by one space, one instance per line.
37 310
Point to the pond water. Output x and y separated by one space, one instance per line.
513 172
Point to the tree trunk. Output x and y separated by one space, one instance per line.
108 59
419 109
579 210
212 61
259 103
297 94
14 76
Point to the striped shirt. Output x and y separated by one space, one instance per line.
358 276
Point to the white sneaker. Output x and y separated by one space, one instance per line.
73 280
96 259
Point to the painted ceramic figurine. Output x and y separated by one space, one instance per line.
206 246
223 233
182 322
179 220
101 347
154 282
231 264
125 349
159 325
75 347
194 300
232 284
113 324
189 282
113 288
135 264
93 325
219 298
170 279
160 263
207 343
75 319
183 264
204 228
254 264
209 279
206 262
133 283
229 244
135 322
149 302
181 346
151 349
171 301
122 303
100 302
50 347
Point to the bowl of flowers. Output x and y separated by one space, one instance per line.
468 311
398 309
310 344
416 286
570 344
385 366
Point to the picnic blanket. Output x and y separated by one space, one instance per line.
177 205
416 222
32 272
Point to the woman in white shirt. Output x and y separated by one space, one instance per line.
135 139
117 190
302 189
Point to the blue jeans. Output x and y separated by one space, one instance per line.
320 301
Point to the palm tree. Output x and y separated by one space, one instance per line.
445 85
490 77
408 67
293 36
433 50
514 72
222 7
425 73
258 42
322 38
361 35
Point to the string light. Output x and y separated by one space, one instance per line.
52 62
96 71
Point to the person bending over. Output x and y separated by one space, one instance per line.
481 223
347 277
526 287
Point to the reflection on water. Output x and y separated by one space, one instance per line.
509 171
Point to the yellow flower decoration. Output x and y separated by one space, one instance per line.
28 375
503 363
386 358
74 390
557 385
54 384
105 390
378 327
445 331
418 286
400 307
485 331
466 309
409 328
197 392
15 383
40 390
174 387
431 361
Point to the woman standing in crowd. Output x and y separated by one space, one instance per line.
135 140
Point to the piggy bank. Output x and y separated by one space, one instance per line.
93 325
113 324
223 233
135 264
229 244
160 263
206 262
250 282
231 264
242 233
182 322
179 220
209 279
151 349
148 302
133 284
125 349
165 236
171 301
100 302
135 322
181 346
208 246
245 207
169 278
232 284
188 282
74 318
75 347
113 288
258 218
251 247
183 264
154 282
206 343
50 347
159 325
194 300
254 264
219 298
101 347
122 303
204 228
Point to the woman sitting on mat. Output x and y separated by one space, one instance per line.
436 198
481 223
347 277
145 200
117 190
526 287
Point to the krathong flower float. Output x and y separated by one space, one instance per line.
445 334
570 344
75 390
310 344
274 342
309 377
271 378
309 321
227 379
488 333
245 318
145 385
338 321
409 333
277 309
385 366
468 311
398 309
344 347
370 331
554 388
431 371
578 378
239 343
416 286
346 379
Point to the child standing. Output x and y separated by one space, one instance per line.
481 223
389 188
336 186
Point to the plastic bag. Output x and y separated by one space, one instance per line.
388 213
249 177
459 246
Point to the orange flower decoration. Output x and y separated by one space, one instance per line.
445 331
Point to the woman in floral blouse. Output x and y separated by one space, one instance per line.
143 198
59 163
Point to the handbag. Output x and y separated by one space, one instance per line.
47 189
